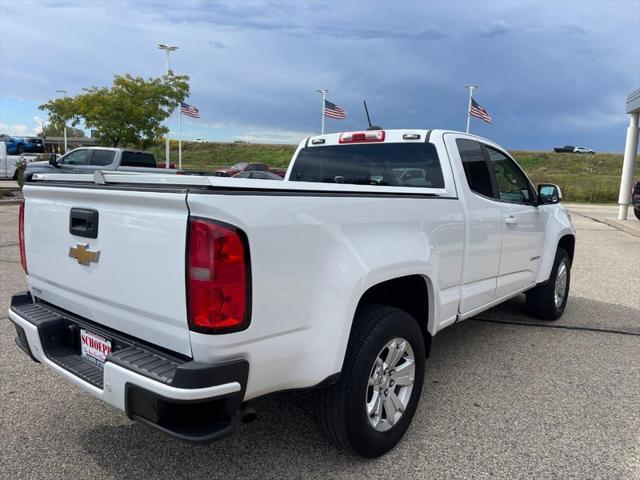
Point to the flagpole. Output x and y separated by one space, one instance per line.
324 98
180 139
471 88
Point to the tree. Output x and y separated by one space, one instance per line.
52 130
130 112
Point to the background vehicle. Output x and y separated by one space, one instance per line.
247 167
15 146
635 200
89 159
257 174
336 278
583 150
565 149
8 162
34 145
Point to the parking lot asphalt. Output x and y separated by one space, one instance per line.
501 400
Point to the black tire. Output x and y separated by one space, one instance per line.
541 301
340 409
20 149
636 211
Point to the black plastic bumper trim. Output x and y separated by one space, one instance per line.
59 336
195 421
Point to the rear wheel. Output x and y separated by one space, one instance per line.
636 211
370 408
549 300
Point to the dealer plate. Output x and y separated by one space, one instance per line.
94 347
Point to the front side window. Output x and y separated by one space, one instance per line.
512 184
102 158
77 157
387 164
239 166
475 167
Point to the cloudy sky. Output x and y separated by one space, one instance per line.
550 73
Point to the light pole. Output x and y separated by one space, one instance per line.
168 49
64 94
471 88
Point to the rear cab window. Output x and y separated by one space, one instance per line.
138 159
379 164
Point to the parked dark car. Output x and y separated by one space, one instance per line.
248 167
258 175
635 200
565 149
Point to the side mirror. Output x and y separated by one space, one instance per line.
53 160
548 194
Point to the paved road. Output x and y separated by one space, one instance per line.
500 400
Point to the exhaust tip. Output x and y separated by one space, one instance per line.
247 413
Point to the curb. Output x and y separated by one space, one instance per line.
10 202
621 226
617 224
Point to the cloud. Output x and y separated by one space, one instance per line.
273 136
17 130
255 66
496 29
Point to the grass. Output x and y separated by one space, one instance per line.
582 178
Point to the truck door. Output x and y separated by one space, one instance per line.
484 224
523 224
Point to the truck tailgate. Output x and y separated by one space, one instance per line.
136 285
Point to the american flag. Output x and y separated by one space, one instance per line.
478 111
332 110
189 110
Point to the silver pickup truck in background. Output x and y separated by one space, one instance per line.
90 159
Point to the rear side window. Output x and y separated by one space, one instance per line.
102 158
388 164
138 159
475 167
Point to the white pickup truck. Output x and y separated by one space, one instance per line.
8 162
180 298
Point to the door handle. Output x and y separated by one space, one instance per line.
511 220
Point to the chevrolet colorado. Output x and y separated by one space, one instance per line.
179 298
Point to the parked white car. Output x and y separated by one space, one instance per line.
178 299
583 150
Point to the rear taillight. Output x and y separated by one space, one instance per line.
23 252
218 277
362 137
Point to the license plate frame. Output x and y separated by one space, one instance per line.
94 347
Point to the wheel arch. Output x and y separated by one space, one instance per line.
568 243
409 293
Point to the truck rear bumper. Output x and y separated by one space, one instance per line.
189 400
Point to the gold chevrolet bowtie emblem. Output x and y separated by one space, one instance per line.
83 254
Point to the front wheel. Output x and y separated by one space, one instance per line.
636 211
371 407
549 300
